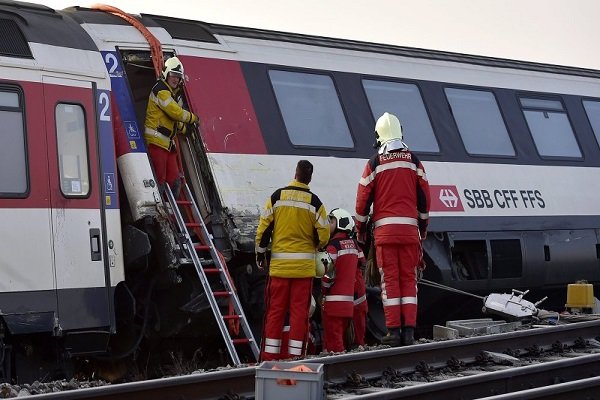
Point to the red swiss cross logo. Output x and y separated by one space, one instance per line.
445 198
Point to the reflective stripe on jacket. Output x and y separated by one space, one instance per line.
396 185
163 111
295 219
347 256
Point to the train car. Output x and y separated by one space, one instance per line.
511 151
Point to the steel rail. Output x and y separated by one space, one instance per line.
369 364
509 381
206 385
588 388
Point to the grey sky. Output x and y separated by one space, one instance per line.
550 31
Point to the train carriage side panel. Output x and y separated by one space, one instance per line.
26 254
60 276
519 195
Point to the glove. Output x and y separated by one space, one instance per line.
261 261
181 128
419 273
193 118
361 237
422 234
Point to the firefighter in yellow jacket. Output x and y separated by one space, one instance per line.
295 222
164 115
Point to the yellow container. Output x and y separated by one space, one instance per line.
580 295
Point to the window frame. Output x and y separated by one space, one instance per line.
329 74
502 116
14 88
587 117
87 151
550 97
362 78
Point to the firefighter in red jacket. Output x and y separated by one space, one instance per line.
338 287
394 182
296 221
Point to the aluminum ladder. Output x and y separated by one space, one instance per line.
192 221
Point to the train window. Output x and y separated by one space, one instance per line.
592 109
311 109
72 150
13 159
470 259
507 260
550 128
403 100
479 122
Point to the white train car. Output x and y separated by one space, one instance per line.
511 151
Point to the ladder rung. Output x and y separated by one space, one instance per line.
192 224
184 202
206 263
211 270
201 247
241 341
230 317
221 294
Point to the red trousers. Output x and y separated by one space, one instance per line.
283 295
285 338
360 323
397 264
165 164
361 308
333 332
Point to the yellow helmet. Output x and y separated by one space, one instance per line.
172 66
387 128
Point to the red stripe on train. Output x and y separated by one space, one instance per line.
220 97
42 157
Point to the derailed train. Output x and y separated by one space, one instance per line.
511 151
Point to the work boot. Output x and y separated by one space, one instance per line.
392 338
408 335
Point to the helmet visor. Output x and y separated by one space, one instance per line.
177 74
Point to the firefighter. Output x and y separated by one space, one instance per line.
294 219
394 182
338 287
165 115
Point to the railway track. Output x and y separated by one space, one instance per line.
345 370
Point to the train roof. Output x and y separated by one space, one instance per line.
402 51
39 25
26 22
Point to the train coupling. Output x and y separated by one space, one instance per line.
511 305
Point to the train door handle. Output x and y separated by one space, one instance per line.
95 249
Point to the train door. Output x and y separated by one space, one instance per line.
81 271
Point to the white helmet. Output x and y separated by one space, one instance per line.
172 66
322 262
388 133
343 219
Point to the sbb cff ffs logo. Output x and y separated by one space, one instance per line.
504 198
